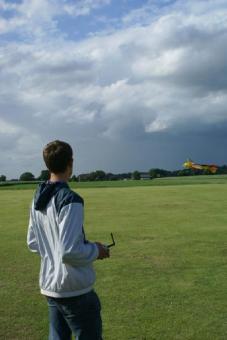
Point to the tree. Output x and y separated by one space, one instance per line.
100 175
27 176
222 169
97 175
74 179
136 175
152 173
156 172
44 176
2 178
92 176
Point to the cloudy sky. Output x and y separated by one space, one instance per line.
131 84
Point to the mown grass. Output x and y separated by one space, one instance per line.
165 280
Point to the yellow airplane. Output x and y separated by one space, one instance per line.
191 165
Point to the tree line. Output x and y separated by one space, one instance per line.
100 175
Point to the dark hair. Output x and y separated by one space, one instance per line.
57 156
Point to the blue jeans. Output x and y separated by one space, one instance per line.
79 315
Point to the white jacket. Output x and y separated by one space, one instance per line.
56 233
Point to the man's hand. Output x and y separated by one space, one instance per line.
103 251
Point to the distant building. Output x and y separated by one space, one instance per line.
83 177
145 175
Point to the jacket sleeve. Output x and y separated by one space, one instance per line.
31 239
74 250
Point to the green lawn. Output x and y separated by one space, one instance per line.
166 279
184 180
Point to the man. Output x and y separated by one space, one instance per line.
56 233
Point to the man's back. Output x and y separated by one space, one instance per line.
56 223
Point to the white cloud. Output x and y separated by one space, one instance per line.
39 18
161 65
7 128
167 77
156 126
83 7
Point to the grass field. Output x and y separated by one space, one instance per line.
166 279
184 180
